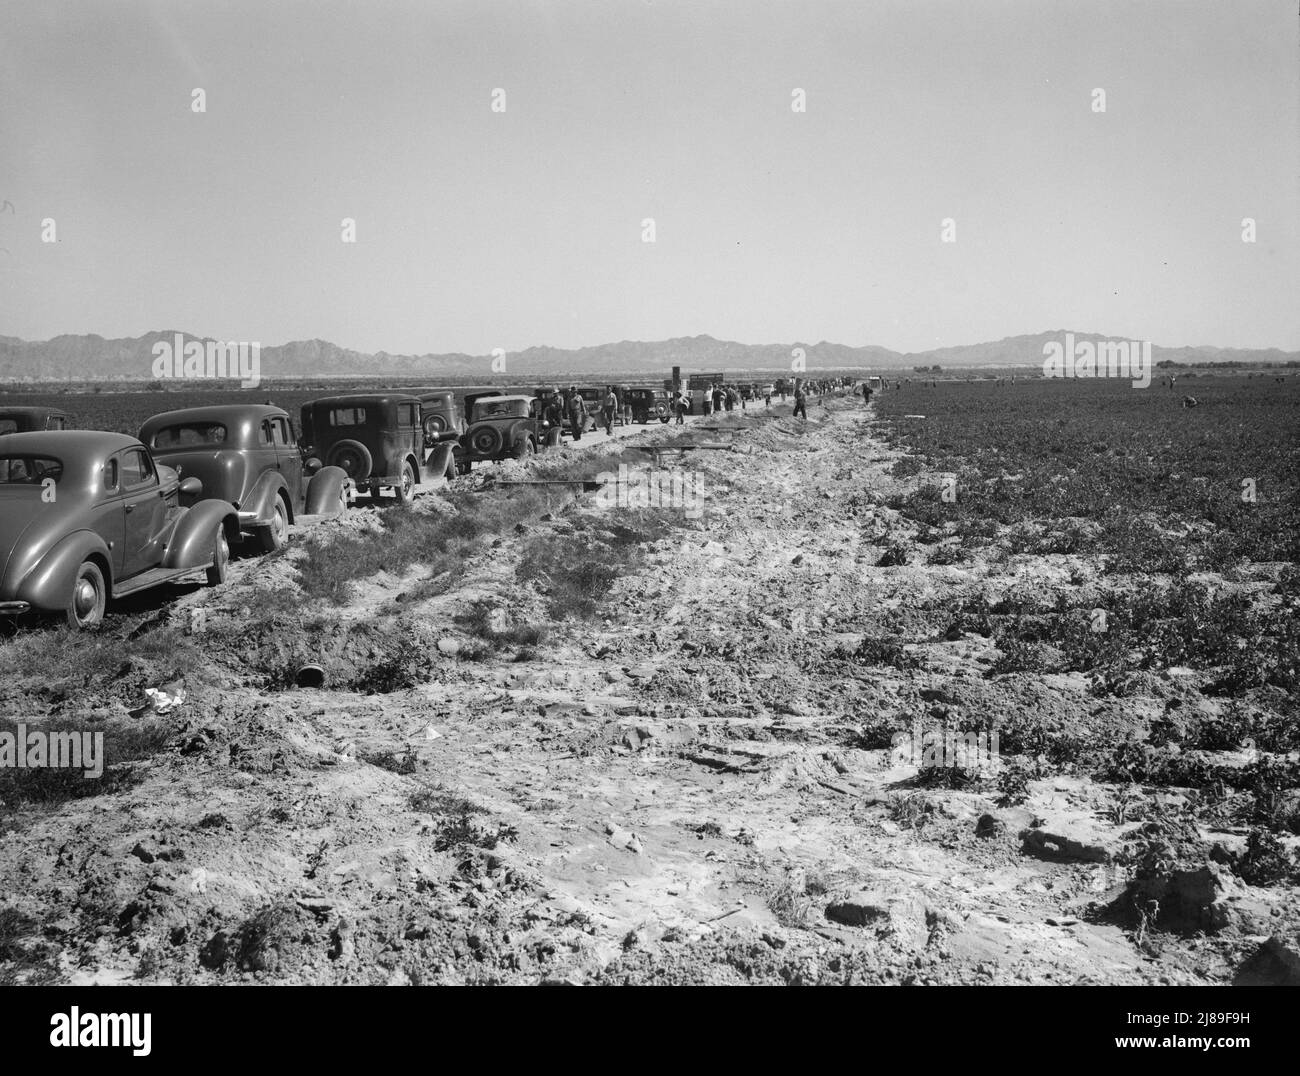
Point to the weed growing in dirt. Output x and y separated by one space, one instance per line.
24 958
1266 861
124 744
577 571
913 811
332 567
459 821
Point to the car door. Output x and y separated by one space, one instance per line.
144 508
410 435
108 518
288 458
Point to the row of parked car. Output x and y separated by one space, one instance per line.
87 516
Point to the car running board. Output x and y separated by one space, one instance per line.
151 578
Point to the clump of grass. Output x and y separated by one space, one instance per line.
123 745
490 622
576 572
402 763
403 665
260 938
1266 861
331 568
790 904
24 959
913 811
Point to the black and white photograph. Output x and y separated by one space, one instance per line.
604 493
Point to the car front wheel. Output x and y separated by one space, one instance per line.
220 558
89 596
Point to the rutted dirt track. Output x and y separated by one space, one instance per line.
683 789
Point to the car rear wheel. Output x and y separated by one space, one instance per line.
220 558
89 596
405 488
353 457
275 536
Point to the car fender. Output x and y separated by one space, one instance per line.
324 491
261 498
49 583
414 460
519 433
440 459
191 542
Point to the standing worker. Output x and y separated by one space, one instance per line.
577 413
800 400
680 405
611 406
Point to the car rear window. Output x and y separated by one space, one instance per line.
29 470
184 434
492 408
347 416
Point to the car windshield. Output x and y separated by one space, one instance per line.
29 470
185 434
8 425
497 409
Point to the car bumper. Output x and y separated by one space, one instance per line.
14 608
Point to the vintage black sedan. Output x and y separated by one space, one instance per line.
248 454
88 516
503 427
648 404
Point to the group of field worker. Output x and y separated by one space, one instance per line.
569 408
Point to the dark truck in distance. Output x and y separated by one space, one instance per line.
28 419
248 454
87 516
377 440
503 427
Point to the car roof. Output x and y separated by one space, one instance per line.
218 410
228 413
502 399
65 444
360 399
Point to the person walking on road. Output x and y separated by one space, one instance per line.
611 406
800 401
679 405
866 393
707 405
717 399
577 413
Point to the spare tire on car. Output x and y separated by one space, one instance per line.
486 440
353 457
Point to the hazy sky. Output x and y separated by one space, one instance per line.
477 229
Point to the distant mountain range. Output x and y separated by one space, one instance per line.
93 358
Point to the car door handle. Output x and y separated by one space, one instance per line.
130 508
